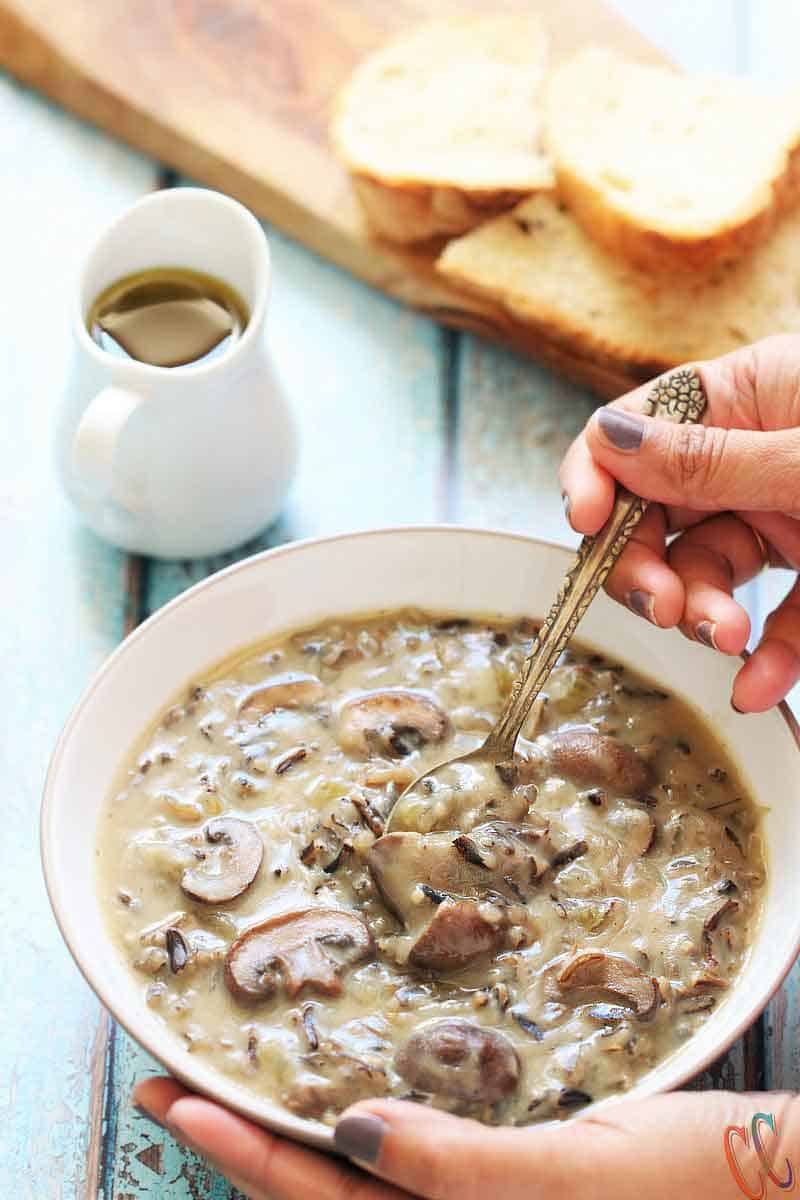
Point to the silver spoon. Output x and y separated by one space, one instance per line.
677 397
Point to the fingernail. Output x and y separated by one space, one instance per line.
360 1136
622 430
740 711
143 1112
565 500
704 631
643 604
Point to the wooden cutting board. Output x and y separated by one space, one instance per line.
236 94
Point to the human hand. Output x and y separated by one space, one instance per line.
668 1146
731 485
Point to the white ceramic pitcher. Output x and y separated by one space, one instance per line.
183 461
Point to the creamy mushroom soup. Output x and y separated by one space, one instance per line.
530 938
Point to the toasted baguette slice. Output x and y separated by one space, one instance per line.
442 128
541 266
668 169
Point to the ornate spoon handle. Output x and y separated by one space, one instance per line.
677 397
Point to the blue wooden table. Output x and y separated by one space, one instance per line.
401 421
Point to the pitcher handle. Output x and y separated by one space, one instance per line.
96 442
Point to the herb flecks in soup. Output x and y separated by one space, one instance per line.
532 937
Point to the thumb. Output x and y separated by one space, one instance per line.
432 1154
666 1146
701 467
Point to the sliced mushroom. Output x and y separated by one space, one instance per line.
701 981
230 864
597 971
437 884
457 934
291 690
590 759
459 1059
498 859
295 950
635 828
392 722
725 908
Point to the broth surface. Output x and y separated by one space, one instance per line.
533 939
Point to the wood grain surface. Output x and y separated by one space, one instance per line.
237 94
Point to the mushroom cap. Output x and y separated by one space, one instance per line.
294 689
497 862
229 866
635 828
457 1058
390 721
591 759
497 857
308 948
456 934
598 971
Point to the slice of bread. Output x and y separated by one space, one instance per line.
540 265
670 170
442 127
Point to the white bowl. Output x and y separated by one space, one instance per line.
439 568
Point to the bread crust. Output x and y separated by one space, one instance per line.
467 164
652 250
646 159
544 270
416 213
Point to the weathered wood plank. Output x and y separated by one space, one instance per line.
515 422
368 384
62 613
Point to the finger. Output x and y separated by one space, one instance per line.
781 535
156 1096
441 1157
264 1165
683 518
642 579
713 558
702 467
587 488
750 389
618 1154
773 668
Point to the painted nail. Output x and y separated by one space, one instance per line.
704 631
643 604
360 1136
623 430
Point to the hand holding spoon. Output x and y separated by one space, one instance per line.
677 397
